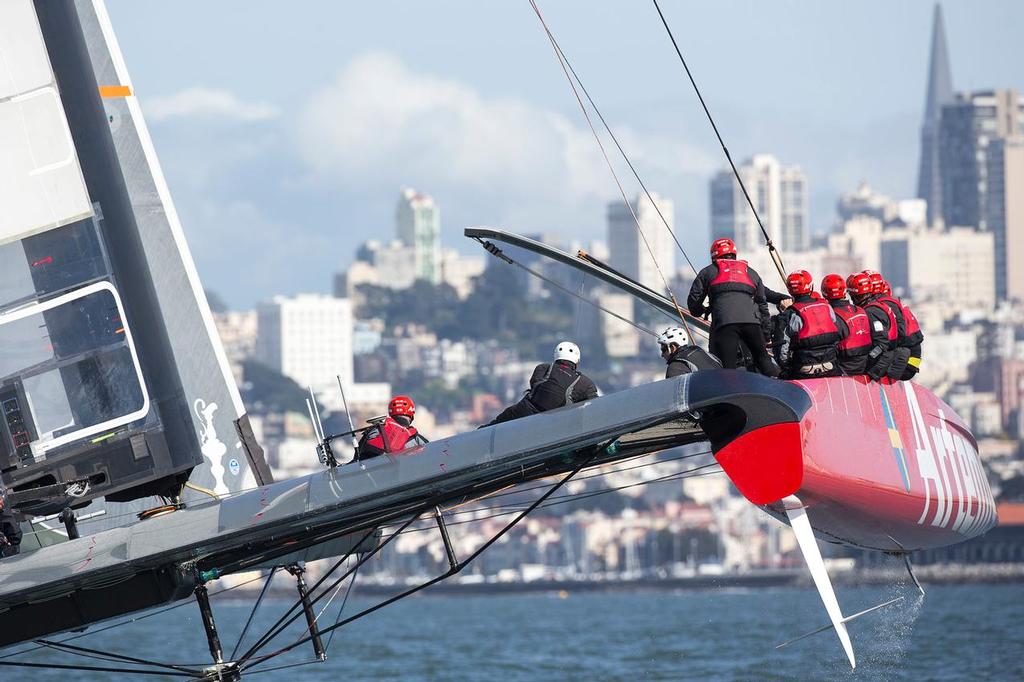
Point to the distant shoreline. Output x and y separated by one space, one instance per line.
936 574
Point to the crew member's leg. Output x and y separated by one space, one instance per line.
752 337
524 408
725 344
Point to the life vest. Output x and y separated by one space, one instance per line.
390 436
893 330
555 389
913 331
819 329
858 341
732 275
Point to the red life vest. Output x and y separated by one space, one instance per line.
893 331
732 276
391 436
819 329
858 341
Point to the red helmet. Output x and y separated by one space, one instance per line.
886 289
401 405
859 284
722 247
800 282
877 282
833 287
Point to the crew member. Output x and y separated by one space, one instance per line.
807 345
854 326
737 305
393 433
682 356
912 335
552 386
901 354
10 529
884 332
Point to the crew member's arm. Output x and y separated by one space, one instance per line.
698 292
878 361
791 328
585 389
538 374
762 305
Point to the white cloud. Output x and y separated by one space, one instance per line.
207 102
381 123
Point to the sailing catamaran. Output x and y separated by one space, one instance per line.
115 388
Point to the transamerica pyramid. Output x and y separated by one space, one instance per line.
940 92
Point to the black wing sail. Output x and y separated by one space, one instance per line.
98 294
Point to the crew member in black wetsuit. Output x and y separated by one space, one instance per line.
806 347
884 333
552 386
681 356
737 305
854 326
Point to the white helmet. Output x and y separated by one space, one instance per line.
567 350
674 335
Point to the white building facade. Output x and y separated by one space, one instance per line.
308 338
418 226
780 195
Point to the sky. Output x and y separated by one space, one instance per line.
287 130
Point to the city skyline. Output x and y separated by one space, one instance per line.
275 142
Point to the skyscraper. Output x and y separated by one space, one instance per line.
780 195
940 93
629 254
1005 214
968 127
418 225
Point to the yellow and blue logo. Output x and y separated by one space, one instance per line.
895 440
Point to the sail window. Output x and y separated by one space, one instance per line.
71 370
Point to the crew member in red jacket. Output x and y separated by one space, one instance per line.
854 326
737 305
393 433
808 334
910 336
884 332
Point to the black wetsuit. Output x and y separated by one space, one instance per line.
688 359
551 387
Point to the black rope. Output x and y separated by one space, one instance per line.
768 240
252 614
89 668
494 250
625 156
341 610
109 655
452 571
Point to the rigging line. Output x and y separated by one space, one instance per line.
497 252
579 296
625 157
507 509
111 657
252 614
611 168
455 567
59 666
768 240
342 609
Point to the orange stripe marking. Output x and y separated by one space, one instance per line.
115 91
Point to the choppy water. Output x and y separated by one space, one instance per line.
956 633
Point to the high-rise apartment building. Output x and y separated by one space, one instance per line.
418 226
780 195
969 126
308 338
1005 214
629 254
940 93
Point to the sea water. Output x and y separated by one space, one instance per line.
955 633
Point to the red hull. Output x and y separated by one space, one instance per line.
883 466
